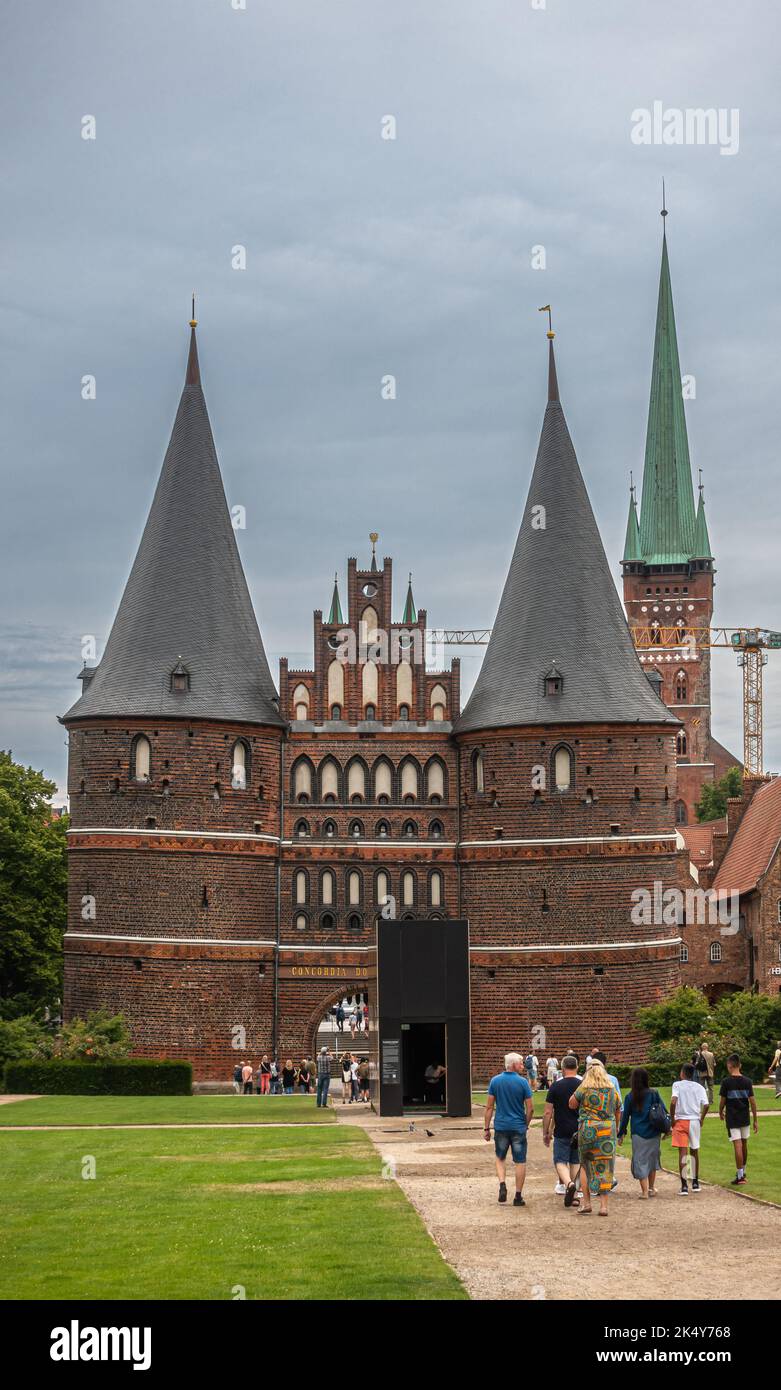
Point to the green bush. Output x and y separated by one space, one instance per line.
681 1014
136 1077
100 1037
659 1074
23 1039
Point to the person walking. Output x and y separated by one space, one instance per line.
340 1017
265 1075
366 1018
347 1085
560 1127
551 1070
238 1080
710 1070
530 1063
246 1078
323 1077
598 1107
688 1108
354 1078
510 1095
363 1080
646 1138
774 1069
735 1098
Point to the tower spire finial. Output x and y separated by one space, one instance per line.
664 204
193 320
374 536
546 309
553 384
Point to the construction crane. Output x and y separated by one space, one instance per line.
751 645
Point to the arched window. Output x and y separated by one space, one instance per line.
680 744
370 712
381 887
370 688
141 759
336 686
368 626
563 768
329 780
435 830
408 888
409 781
300 702
302 830
435 780
382 830
354 922
409 830
356 830
404 687
681 687
240 757
438 703
478 771
336 712
435 889
302 780
383 781
300 886
327 888
684 954
301 921
680 812
715 953
329 829
327 921
356 781
354 888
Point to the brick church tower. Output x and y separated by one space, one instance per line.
567 769
668 569
174 777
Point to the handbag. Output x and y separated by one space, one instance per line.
658 1116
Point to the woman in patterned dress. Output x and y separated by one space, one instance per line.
598 1106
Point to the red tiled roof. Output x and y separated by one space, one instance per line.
755 841
699 840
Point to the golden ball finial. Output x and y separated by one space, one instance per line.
193 320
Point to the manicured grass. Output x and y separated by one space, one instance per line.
718 1160
765 1098
173 1214
162 1110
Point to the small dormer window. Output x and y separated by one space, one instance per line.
553 682
180 679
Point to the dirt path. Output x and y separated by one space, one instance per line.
709 1246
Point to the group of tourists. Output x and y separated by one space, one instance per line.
586 1118
355 1017
273 1077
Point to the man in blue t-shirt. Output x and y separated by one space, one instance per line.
511 1095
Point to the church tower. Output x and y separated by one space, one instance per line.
567 777
174 778
668 568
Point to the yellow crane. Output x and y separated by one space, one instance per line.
751 645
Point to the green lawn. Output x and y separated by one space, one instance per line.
160 1110
179 1214
765 1098
718 1162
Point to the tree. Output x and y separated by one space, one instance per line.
683 1015
713 801
33 885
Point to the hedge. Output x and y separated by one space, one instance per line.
132 1078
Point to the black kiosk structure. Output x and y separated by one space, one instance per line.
424 1060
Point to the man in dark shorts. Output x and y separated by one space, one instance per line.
560 1124
511 1094
735 1098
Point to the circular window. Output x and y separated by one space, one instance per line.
369 589
334 641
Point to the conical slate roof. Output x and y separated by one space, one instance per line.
560 612
186 600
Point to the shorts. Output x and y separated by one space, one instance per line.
504 1138
686 1134
565 1150
740 1132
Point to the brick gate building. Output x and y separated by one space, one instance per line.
231 847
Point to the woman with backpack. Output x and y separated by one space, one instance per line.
645 1116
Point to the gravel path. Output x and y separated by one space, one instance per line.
712 1245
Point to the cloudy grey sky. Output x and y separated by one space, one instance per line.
261 127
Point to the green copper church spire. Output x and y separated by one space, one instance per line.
335 615
667 517
702 549
409 616
632 541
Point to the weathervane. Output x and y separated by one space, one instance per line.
546 309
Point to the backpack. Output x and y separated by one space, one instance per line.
658 1117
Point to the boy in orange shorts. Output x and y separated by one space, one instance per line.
688 1108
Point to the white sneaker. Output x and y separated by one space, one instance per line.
560 1189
